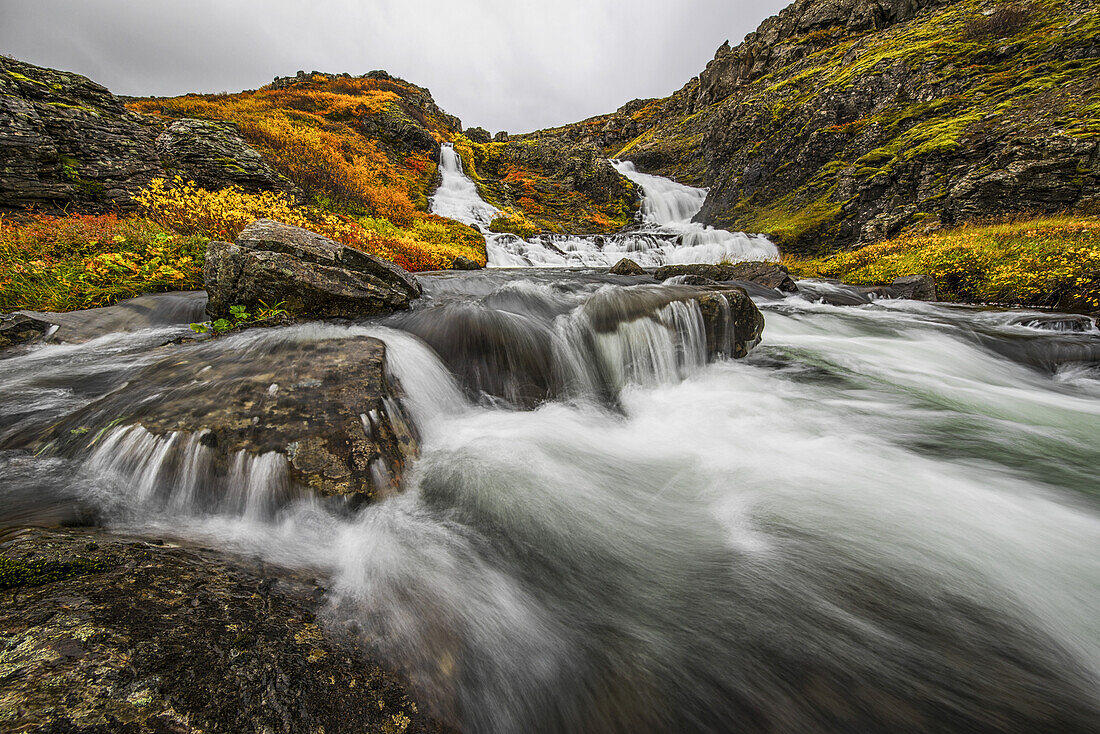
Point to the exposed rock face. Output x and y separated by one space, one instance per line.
64 138
67 142
324 410
626 266
310 274
844 122
769 275
214 155
478 135
21 329
149 637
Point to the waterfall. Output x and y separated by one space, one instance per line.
666 236
457 197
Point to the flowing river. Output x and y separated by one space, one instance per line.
885 518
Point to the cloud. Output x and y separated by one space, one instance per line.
513 65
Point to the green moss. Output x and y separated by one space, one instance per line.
22 78
18 574
82 108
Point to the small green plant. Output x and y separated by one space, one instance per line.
269 312
239 316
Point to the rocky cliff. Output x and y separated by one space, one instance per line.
68 143
843 122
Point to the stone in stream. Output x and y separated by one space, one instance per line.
244 424
464 263
626 266
308 274
104 633
767 274
21 329
915 287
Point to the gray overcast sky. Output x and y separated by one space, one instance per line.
502 64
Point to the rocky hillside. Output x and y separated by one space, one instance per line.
67 142
843 122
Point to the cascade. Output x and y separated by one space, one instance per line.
666 235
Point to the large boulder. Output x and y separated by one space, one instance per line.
767 274
214 155
101 633
284 411
310 275
626 266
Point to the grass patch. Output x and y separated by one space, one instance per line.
1045 262
50 263
19 574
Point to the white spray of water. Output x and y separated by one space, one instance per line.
667 236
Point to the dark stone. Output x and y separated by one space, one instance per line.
155 638
626 266
501 137
310 275
478 135
328 406
21 329
767 274
464 263
915 287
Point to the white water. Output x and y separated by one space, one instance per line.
667 234
457 196
876 522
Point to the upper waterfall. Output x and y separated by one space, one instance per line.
666 234
457 197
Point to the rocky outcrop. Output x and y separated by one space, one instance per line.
769 275
214 155
101 633
626 266
308 274
559 187
841 123
464 263
68 143
478 135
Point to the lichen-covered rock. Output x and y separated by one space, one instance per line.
309 274
767 274
66 140
115 634
21 329
626 266
214 155
323 412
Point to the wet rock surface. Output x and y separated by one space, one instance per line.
915 287
323 408
102 633
309 274
766 274
626 266
21 329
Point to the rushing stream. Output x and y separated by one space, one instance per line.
886 518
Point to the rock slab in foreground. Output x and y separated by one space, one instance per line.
767 274
327 406
310 275
141 637
21 329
